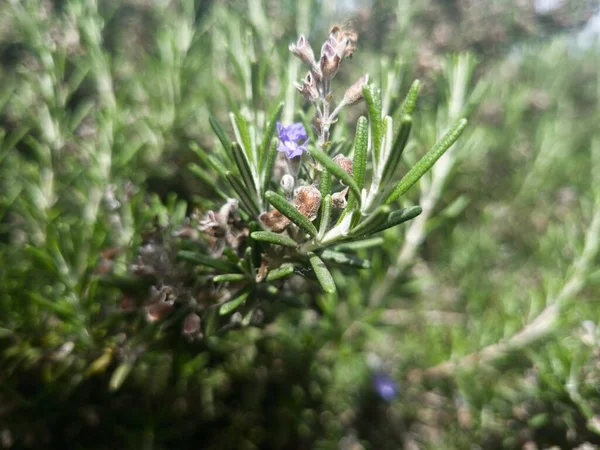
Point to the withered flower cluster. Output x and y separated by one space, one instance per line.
316 86
316 89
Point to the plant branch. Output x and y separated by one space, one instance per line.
545 322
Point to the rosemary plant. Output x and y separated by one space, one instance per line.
307 204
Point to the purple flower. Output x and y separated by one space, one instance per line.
385 386
289 139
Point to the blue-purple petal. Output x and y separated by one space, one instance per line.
385 386
289 137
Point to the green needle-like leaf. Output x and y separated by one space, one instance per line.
427 161
397 149
326 206
220 132
288 210
359 168
203 260
345 259
274 238
359 245
372 222
247 201
281 272
269 164
119 376
242 134
229 277
325 185
373 98
239 298
265 145
336 170
322 273
243 165
409 103
398 217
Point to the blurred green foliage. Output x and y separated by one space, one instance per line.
484 309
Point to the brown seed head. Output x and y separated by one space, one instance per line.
344 162
308 201
276 221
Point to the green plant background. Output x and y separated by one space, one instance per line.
484 309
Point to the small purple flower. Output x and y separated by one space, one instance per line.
289 139
385 386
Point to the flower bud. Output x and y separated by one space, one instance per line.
308 88
287 183
338 199
308 201
191 326
354 93
330 60
303 50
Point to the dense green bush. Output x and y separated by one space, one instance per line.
125 324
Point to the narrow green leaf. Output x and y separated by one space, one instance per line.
242 135
210 322
336 170
249 255
373 99
229 277
327 303
119 376
13 138
359 167
325 185
375 220
274 238
247 201
322 273
239 71
397 149
204 176
62 310
208 159
266 140
42 258
220 132
79 114
427 161
233 304
409 103
243 265
203 260
398 217
281 272
255 83
256 247
288 210
359 245
269 164
243 165
345 259
326 206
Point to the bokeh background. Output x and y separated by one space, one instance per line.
481 314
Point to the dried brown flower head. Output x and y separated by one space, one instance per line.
308 201
338 199
344 162
274 220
